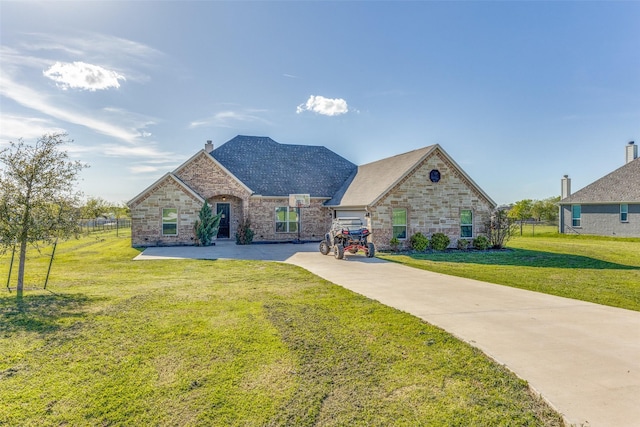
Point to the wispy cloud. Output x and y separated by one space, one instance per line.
229 118
325 106
80 75
15 127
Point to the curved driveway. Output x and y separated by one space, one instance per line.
583 358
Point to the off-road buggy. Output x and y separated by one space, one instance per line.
347 235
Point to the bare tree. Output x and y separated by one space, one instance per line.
38 202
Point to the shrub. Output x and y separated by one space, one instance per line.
463 244
419 242
244 235
481 242
439 241
395 244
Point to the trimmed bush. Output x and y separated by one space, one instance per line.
439 242
395 244
419 242
244 235
463 244
481 242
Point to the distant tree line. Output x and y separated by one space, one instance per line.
534 210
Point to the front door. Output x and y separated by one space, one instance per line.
223 230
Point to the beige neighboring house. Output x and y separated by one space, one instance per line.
251 177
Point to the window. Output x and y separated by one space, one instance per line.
576 211
286 220
169 222
624 212
466 223
400 223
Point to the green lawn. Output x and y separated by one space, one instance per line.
604 270
231 343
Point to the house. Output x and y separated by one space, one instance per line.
251 177
609 206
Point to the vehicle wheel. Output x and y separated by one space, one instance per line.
371 250
324 247
338 251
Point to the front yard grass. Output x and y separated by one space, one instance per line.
603 270
232 343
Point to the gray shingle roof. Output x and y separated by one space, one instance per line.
374 179
273 169
620 186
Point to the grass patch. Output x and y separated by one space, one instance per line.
232 343
603 270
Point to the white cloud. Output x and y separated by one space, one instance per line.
324 106
80 75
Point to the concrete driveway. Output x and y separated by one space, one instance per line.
582 358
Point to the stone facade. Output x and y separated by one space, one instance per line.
146 215
431 207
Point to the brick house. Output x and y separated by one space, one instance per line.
610 206
252 177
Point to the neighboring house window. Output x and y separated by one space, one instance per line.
624 212
286 220
400 223
576 212
169 222
466 223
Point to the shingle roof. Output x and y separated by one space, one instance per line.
620 186
374 179
273 169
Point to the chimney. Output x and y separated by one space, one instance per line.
566 187
208 147
632 152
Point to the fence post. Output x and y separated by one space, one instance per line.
11 266
53 253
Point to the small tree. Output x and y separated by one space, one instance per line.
94 208
521 211
38 202
500 228
206 227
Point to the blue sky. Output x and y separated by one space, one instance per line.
518 93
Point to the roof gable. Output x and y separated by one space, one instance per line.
166 177
273 169
620 186
374 180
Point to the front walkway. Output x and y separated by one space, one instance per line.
583 358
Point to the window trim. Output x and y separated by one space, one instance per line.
288 223
173 222
405 225
624 213
576 221
462 225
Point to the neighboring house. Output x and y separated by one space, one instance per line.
252 177
609 206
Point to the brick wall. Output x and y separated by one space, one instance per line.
431 207
315 220
206 178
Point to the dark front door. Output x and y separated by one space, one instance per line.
223 230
